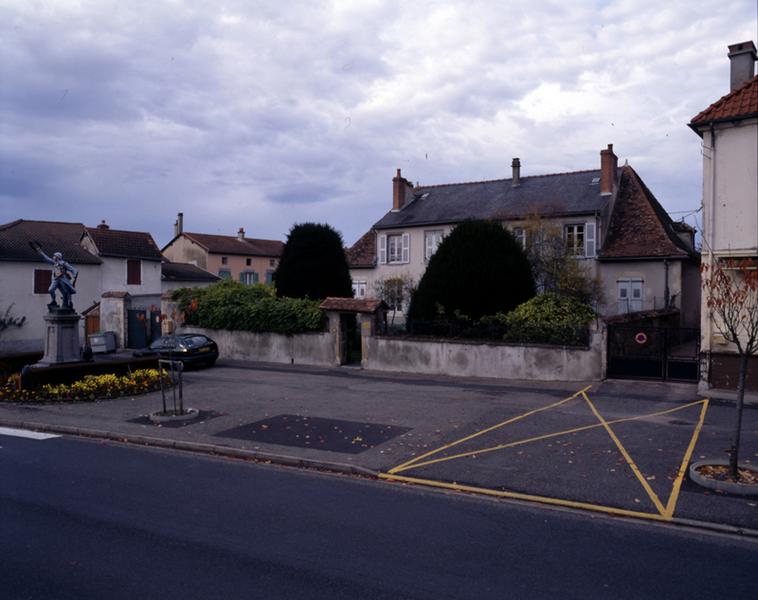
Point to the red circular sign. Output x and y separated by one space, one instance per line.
641 338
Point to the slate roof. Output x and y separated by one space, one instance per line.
53 236
362 254
171 271
559 194
231 244
124 244
741 103
640 227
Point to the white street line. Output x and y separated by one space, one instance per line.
23 433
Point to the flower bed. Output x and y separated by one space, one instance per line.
89 388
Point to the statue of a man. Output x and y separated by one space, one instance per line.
64 277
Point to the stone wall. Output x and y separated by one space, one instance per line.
305 348
433 357
499 360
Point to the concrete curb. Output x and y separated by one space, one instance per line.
211 449
738 489
306 463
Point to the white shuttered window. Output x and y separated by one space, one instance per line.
382 249
589 239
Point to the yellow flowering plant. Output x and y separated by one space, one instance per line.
89 388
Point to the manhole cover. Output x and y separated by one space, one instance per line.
335 435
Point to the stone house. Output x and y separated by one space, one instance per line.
608 218
239 258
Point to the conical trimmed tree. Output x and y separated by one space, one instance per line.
313 264
478 269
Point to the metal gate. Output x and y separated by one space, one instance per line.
667 354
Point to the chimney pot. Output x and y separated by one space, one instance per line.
742 58
516 167
608 170
103 225
241 234
401 188
179 225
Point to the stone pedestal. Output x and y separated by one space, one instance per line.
62 340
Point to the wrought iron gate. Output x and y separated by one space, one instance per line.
667 354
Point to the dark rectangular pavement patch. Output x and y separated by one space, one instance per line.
335 435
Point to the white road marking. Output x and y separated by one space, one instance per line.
23 433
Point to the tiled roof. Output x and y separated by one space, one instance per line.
230 244
51 235
640 227
546 195
124 244
362 254
352 305
742 103
171 271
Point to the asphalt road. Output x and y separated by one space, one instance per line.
82 519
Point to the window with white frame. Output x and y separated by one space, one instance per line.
575 239
629 295
359 289
394 248
248 277
432 240
581 239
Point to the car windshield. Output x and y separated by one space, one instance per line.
163 343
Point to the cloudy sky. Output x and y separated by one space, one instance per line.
259 114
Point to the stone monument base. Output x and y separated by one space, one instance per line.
62 341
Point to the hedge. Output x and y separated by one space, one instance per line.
232 305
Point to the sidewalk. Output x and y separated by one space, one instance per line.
544 442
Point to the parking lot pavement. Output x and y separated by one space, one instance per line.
616 447
604 452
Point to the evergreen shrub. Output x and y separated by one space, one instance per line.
548 319
313 264
478 269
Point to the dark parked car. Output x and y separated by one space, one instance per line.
189 348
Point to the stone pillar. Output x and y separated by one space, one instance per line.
335 328
113 317
62 340
170 313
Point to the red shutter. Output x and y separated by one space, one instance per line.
133 272
42 280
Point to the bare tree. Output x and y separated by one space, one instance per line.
555 269
7 319
395 292
731 288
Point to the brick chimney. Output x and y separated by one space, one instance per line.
516 167
608 170
103 225
401 189
241 234
179 225
742 62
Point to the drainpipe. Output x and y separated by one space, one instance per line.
666 298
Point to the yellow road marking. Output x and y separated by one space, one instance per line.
417 465
406 465
640 477
671 505
528 497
